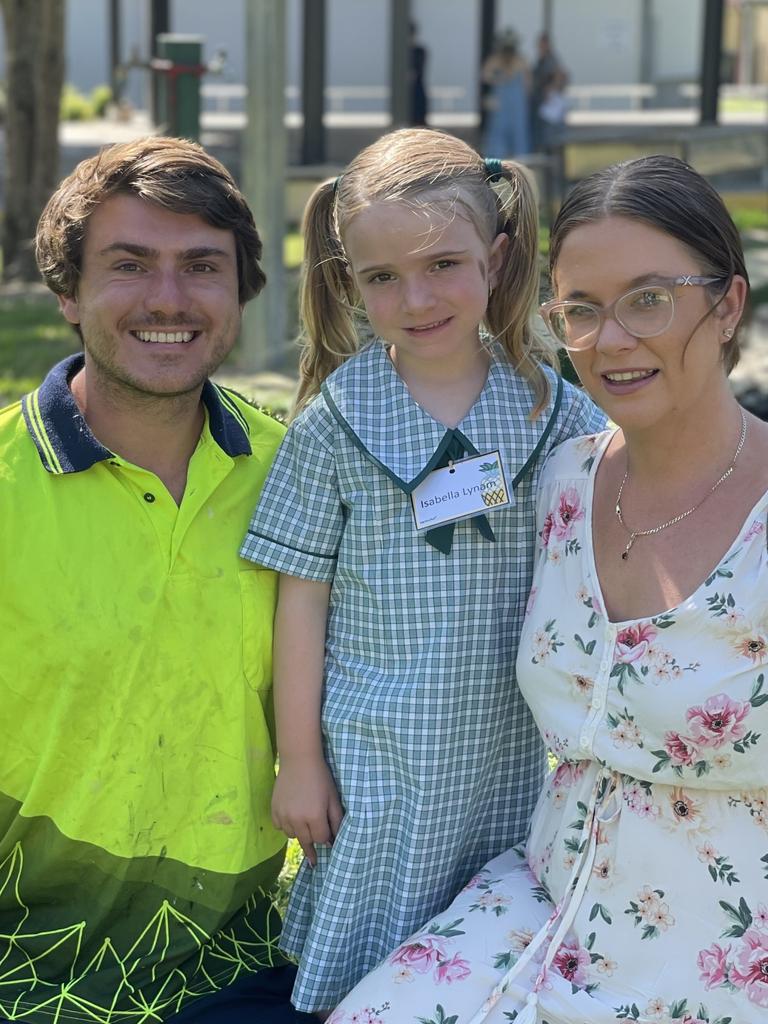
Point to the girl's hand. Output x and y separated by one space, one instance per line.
306 805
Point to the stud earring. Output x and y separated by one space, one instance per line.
728 332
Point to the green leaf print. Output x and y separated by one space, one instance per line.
627 1012
503 961
723 871
584 648
758 698
677 1009
439 1018
741 916
447 931
663 621
749 740
720 604
599 908
764 860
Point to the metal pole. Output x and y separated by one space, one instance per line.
313 83
487 36
400 62
159 23
747 45
115 77
547 20
710 60
263 338
646 41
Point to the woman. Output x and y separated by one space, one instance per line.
641 894
507 75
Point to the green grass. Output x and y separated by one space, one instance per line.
33 336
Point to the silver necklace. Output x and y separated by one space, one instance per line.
634 534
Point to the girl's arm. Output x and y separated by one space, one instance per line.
305 803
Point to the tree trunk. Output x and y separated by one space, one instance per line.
34 44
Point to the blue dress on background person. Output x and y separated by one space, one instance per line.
508 129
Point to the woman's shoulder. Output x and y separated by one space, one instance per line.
573 460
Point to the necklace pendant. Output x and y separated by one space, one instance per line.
625 552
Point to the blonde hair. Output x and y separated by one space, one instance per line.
407 165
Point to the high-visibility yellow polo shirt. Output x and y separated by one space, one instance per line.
136 749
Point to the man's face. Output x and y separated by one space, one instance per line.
157 301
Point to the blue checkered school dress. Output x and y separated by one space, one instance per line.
436 756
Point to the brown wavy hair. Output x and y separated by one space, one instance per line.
172 173
420 164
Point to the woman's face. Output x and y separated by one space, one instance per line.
644 382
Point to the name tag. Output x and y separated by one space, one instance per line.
461 490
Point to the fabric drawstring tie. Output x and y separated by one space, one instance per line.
608 790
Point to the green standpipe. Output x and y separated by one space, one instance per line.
179 68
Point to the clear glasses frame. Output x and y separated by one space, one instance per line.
549 310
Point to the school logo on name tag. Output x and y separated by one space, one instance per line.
461 490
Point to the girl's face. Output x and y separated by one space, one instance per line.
641 382
424 277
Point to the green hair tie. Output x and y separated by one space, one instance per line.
495 169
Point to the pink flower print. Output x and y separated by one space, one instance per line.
680 749
474 881
572 963
546 529
713 965
761 917
640 801
452 970
755 530
718 721
633 642
531 601
422 954
569 511
568 773
750 966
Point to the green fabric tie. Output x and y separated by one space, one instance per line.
441 537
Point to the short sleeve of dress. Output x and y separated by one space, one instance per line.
580 415
297 525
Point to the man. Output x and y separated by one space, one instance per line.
136 849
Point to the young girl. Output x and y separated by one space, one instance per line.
407 757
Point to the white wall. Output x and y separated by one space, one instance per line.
598 40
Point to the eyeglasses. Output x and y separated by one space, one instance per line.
643 312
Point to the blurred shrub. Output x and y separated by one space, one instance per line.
76 106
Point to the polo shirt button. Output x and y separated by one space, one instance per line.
149 496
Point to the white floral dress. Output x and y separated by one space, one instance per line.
642 893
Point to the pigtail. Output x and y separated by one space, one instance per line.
515 297
326 297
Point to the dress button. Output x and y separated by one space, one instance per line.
149 497
584 743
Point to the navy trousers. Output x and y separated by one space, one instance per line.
261 998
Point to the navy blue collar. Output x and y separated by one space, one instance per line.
66 444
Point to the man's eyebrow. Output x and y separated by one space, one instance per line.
131 247
145 252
